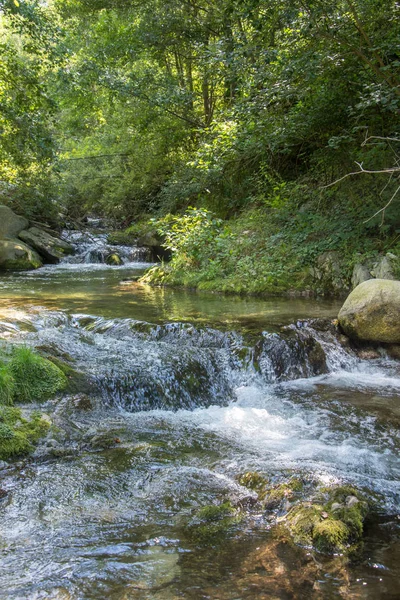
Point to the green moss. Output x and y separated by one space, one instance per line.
283 491
302 520
7 385
331 536
114 259
334 525
36 378
254 481
213 522
18 435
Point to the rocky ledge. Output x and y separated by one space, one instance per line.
23 247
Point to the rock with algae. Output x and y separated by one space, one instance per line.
333 523
213 522
18 434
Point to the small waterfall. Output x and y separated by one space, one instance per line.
94 249
142 366
301 350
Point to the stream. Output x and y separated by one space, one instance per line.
183 393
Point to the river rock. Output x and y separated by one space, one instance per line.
17 256
10 223
114 259
372 312
51 248
386 267
360 274
328 273
152 240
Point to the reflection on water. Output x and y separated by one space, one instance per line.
110 292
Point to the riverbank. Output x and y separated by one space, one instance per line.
294 249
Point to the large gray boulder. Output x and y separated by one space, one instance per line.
372 312
17 256
51 248
10 223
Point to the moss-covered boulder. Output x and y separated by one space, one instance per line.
51 248
35 377
10 223
212 523
372 312
17 256
333 523
17 434
114 259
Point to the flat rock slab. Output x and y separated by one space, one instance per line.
372 312
51 248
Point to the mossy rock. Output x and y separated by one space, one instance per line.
114 259
335 526
256 482
282 492
331 535
372 312
271 495
213 523
36 378
18 435
17 256
77 382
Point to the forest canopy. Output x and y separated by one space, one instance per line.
125 107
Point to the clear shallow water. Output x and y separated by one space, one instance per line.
175 413
112 292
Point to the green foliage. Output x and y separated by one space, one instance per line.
274 248
17 434
236 108
35 378
7 385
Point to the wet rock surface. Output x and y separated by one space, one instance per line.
17 256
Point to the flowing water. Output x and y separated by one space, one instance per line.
181 393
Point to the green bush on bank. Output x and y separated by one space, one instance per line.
273 247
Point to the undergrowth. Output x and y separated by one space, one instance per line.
274 246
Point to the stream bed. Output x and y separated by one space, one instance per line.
183 393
